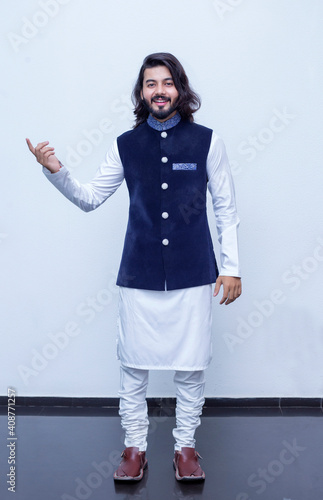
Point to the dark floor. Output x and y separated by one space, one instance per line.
247 455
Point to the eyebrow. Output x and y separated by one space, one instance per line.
164 79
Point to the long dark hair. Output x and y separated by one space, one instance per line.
188 101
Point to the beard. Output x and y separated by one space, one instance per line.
160 114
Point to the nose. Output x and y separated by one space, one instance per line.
160 89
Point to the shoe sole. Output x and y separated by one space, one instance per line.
130 478
187 478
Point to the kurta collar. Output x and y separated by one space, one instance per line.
170 123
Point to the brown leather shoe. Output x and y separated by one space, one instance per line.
186 465
132 465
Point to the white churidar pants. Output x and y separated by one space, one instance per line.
133 406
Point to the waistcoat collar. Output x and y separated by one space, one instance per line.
170 123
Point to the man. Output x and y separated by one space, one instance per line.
168 263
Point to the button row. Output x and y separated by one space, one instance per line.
164 186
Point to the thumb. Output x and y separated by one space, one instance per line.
218 284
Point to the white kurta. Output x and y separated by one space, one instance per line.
165 329
168 330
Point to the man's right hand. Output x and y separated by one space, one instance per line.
45 155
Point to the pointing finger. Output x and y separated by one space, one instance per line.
31 147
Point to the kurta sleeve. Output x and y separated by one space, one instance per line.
91 195
221 187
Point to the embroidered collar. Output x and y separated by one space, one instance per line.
170 123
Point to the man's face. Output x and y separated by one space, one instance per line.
159 92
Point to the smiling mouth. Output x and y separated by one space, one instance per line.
161 101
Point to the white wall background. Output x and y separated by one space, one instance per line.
68 68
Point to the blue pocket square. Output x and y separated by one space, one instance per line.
184 166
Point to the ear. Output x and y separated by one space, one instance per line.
141 95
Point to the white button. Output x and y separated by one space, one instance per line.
164 159
165 215
164 185
165 242
164 135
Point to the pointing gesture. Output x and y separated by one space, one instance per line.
45 155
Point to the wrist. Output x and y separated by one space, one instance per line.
54 169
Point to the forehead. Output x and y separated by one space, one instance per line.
158 73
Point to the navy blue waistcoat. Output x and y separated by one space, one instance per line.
168 237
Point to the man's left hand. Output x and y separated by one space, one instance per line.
231 288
